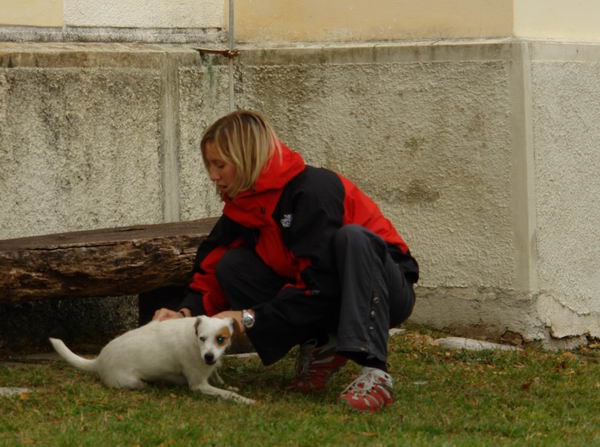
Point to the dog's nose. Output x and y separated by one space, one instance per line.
209 358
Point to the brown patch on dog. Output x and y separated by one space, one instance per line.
225 335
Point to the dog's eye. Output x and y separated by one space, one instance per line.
202 339
220 339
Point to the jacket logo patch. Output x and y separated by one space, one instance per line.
286 221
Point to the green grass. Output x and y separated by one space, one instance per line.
443 398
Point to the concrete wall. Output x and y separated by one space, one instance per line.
483 152
565 133
94 136
411 125
471 148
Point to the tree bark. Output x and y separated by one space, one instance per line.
105 262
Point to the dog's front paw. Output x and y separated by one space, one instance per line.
245 400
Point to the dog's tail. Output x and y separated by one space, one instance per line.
71 358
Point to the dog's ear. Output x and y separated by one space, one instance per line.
230 322
197 325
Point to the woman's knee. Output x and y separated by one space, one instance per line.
350 232
353 235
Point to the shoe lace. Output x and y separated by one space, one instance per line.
364 383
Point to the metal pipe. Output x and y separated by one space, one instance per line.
226 53
231 24
231 51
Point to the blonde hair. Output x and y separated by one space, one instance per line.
245 139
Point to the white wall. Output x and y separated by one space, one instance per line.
145 13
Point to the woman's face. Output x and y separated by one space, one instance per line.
220 171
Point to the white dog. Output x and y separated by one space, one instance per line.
178 351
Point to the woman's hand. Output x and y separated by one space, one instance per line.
168 314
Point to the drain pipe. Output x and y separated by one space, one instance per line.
231 51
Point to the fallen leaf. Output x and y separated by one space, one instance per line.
527 386
368 433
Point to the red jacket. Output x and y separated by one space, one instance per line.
288 218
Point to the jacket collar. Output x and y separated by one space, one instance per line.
278 171
265 192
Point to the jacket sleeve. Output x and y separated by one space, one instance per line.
204 295
320 203
316 207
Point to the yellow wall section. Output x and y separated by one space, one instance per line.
46 13
347 20
339 20
572 20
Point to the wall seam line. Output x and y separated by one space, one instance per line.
169 140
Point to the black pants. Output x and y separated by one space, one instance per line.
374 295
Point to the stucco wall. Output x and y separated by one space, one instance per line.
203 93
411 127
482 153
90 137
566 104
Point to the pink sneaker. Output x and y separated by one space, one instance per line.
371 391
315 365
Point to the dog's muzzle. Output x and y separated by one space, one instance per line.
209 358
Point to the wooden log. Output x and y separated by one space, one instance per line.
107 262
